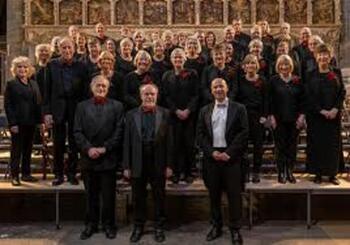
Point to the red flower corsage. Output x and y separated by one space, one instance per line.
331 76
295 80
262 64
147 79
184 74
257 83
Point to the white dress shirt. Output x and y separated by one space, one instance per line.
218 121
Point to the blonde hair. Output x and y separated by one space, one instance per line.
126 40
255 42
42 46
140 54
178 51
138 32
21 60
251 58
104 56
284 58
268 30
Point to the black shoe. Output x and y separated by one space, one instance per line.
29 178
256 178
73 180
189 179
281 178
88 232
15 181
182 177
175 179
159 235
214 233
318 179
291 178
111 233
136 234
236 237
58 181
334 180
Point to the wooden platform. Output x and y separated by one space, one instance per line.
268 184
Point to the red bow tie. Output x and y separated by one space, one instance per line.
100 100
148 109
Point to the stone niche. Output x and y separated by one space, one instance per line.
46 18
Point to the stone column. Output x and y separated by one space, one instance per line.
27 11
141 6
56 11
282 13
113 2
337 12
84 5
309 12
253 11
225 11
197 10
170 12
345 39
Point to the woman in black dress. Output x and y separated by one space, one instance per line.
286 96
194 60
159 64
180 88
256 48
325 93
124 62
133 81
252 93
22 106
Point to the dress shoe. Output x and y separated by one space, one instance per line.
281 178
214 233
73 180
175 179
136 234
29 178
15 181
334 180
189 179
111 233
318 179
256 178
290 177
88 232
182 177
236 237
58 181
159 235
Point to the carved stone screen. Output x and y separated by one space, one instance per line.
99 11
211 12
239 9
323 12
184 12
42 12
155 12
71 12
127 12
268 10
295 11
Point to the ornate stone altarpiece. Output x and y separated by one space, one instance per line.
46 18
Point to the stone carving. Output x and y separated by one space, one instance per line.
240 9
295 11
99 11
155 12
323 12
268 10
42 12
70 12
127 12
211 12
184 12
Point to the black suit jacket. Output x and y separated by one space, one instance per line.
55 101
133 141
236 131
22 103
99 126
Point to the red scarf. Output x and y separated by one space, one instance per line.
98 100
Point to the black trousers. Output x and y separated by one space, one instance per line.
256 136
225 177
60 133
286 144
184 132
21 150
100 188
139 191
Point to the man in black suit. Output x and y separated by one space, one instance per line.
147 158
66 86
222 135
98 129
